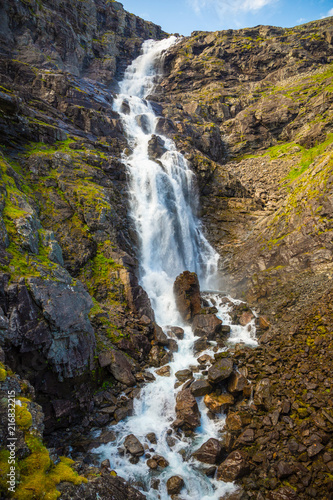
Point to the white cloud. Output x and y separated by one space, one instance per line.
224 7
329 14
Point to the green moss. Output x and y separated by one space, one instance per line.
23 416
3 374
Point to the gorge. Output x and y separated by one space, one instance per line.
101 171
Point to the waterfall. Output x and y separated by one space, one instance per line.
163 205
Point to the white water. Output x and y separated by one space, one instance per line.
163 205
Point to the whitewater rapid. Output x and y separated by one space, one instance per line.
163 206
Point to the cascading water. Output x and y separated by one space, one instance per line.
163 205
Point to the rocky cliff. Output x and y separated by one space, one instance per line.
252 110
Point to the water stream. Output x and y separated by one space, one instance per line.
163 202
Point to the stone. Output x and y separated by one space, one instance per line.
152 464
161 461
236 383
164 371
151 436
262 394
284 493
173 345
314 449
187 295
174 485
143 122
156 147
233 422
160 336
133 446
263 323
206 325
219 404
245 318
210 452
283 470
175 331
200 388
183 375
118 365
246 437
187 411
221 370
234 467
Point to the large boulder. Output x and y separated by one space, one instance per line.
221 370
187 294
206 325
210 452
218 404
234 467
133 446
188 415
200 388
174 485
118 365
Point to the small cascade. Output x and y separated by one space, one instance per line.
163 202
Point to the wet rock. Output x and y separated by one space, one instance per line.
151 436
175 331
183 375
133 446
221 370
234 467
152 464
143 122
210 452
118 365
161 461
160 336
164 371
206 325
106 464
218 403
156 147
245 318
188 416
200 345
205 359
187 295
200 387
174 485
125 107
173 345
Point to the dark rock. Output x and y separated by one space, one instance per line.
284 470
188 416
118 365
152 437
183 375
156 147
210 452
143 122
206 325
174 485
221 370
160 336
175 330
200 387
236 383
187 295
234 467
133 446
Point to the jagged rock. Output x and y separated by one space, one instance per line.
262 394
188 416
234 422
164 371
118 365
156 147
187 295
200 388
234 467
173 345
221 370
245 318
206 325
236 382
174 485
133 446
284 493
246 437
283 470
218 404
160 336
263 323
210 452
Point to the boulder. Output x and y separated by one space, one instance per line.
175 331
245 318
183 375
174 485
234 467
236 383
200 387
188 416
156 147
160 336
206 325
218 404
118 365
164 371
210 452
221 370
133 446
187 294
143 122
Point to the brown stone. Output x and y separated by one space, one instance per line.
210 452
233 422
133 446
164 371
188 416
174 485
206 325
236 383
183 375
187 294
263 323
218 404
221 370
234 467
200 387
245 318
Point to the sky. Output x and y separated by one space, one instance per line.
185 16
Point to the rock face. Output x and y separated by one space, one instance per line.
187 294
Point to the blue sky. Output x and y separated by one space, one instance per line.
184 16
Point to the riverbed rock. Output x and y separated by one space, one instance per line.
218 403
200 388
174 485
234 467
164 371
210 452
187 295
133 446
183 375
206 325
187 411
221 370
175 331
